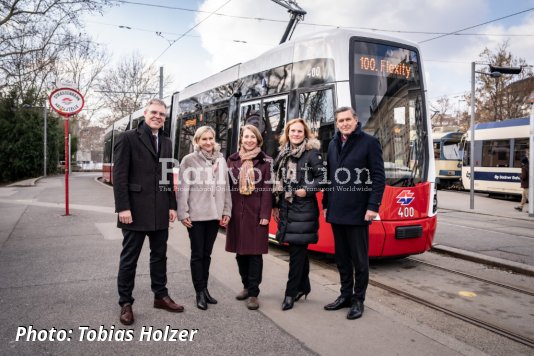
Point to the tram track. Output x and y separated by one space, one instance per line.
480 279
470 319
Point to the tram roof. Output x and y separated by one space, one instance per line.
315 45
523 121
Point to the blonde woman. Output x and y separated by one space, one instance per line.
248 231
204 202
298 170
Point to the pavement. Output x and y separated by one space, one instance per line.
496 214
58 292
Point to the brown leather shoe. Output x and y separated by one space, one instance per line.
168 304
127 317
253 303
242 295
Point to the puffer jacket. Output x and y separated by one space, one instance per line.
299 220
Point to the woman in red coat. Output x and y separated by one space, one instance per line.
248 230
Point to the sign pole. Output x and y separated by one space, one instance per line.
66 102
66 165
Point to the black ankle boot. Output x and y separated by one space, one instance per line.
288 303
202 303
209 298
300 295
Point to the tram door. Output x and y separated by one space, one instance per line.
269 116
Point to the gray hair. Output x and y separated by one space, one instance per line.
156 101
345 108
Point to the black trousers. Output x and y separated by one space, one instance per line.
250 270
202 237
298 279
132 244
352 259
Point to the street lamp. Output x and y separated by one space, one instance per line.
45 116
495 72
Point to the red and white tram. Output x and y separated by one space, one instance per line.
381 77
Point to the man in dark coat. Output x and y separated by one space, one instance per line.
145 204
524 183
351 201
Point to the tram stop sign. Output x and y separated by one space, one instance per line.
66 101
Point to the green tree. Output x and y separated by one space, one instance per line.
21 146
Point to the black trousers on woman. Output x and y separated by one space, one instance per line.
250 269
298 279
202 237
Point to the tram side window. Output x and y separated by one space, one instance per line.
520 150
187 131
317 108
218 119
437 150
107 148
496 153
274 114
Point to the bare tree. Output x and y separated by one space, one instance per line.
441 107
497 98
127 86
83 65
33 36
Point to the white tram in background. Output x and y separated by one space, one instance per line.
448 154
499 147
309 77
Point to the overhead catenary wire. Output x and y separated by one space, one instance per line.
186 32
480 24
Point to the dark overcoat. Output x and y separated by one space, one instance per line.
244 234
356 178
299 220
524 173
137 183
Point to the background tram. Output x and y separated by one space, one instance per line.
499 147
309 77
448 153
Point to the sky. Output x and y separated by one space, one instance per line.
217 41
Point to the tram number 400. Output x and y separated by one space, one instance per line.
407 212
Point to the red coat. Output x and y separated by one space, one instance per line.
244 234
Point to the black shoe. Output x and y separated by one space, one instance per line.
340 302
356 310
300 294
518 208
209 298
242 295
288 303
202 303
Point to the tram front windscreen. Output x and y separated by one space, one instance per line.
387 92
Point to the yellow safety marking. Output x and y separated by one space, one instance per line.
467 294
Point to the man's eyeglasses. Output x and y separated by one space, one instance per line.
157 113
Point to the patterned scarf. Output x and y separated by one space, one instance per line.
286 172
210 156
246 174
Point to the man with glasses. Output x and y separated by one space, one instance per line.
144 206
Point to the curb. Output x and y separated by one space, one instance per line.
526 218
516 267
26 183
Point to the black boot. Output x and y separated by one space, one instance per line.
209 298
201 301
288 303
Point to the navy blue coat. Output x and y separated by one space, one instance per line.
359 183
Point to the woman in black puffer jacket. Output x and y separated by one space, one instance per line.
299 171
